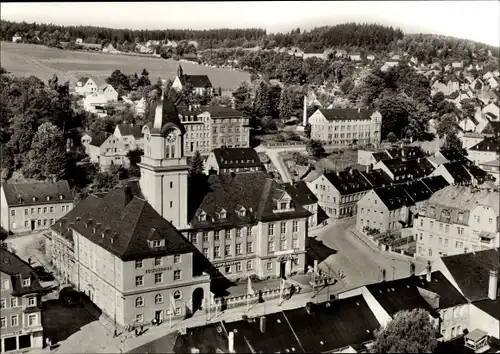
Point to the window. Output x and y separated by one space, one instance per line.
269 265
138 264
249 247
26 211
139 317
3 322
227 269
227 250
295 243
270 246
139 280
31 301
238 267
178 311
139 302
3 304
177 295
44 210
282 245
51 209
193 237
177 258
39 210
171 184
177 275
216 251
205 252
282 205
283 227
490 221
227 234
238 248
13 302
32 211
32 319
421 222
216 235
5 284
238 232
12 212
158 278
158 261
431 224
430 252
249 265
205 236
447 228
295 226
270 229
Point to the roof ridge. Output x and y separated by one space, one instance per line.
138 217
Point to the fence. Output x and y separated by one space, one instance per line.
380 242
271 144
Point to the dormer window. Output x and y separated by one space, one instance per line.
158 243
48 197
202 216
222 214
61 197
26 282
460 216
283 205
34 199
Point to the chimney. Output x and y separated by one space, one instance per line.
190 108
304 114
231 342
368 167
493 286
359 109
262 324
429 272
309 307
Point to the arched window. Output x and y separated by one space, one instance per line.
139 302
158 299
177 294
172 151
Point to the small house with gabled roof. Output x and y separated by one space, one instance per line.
86 86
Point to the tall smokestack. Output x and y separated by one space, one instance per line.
304 114
231 342
493 286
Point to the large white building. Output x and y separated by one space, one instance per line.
458 219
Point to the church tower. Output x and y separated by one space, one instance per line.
164 169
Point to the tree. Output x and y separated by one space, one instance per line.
221 101
447 125
47 158
144 72
346 85
196 168
437 98
119 81
392 137
408 332
315 148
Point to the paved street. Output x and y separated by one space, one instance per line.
273 154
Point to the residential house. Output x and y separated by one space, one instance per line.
478 85
492 168
130 261
303 196
86 86
492 111
109 92
355 57
447 88
367 157
33 206
110 49
340 53
16 38
475 276
20 304
403 170
370 158
140 107
370 57
231 160
200 84
342 326
486 150
346 127
454 97
461 174
492 83
457 219
338 192
105 149
313 53
130 135
95 103
457 65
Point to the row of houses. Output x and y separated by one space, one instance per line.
460 293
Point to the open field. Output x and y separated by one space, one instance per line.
43 62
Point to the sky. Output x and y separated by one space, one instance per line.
475 20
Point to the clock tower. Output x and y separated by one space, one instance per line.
164 169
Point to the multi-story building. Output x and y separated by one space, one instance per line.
109 92
33 206
128 259
105 149
492 168
457 219
244 224
367 157
130 135
346 127
484 151
302 195
200 84
402 170
20 304
227 160
338 192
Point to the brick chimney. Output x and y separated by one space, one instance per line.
493 285
231 342
263 324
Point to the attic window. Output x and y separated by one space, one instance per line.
222 214
34 199
158 243
48 197
242 212
26 282
202 216
61 197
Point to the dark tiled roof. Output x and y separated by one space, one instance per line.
404 170
300 193
435 183
348 182
377 178
18 270
278 336
417 190
346 114
378 156
471 272
215 112
479 174
207 339
84 80
23 193
453 155
409 152
196 80
492 128
163 344
491 307
236 157
124 225
458 172
403 294
488 144
169 117
394 197
333 325
453 95
98 138
256 192
131 129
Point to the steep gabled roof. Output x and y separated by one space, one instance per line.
236 157
18 194
394 197
18 270
377 178
458 172
196 81
348 182
346 114
83 80
99 138
131 129
215 112
300 193
487 145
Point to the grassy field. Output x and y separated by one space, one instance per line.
43 62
